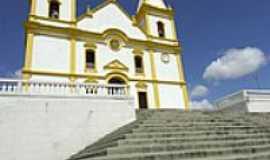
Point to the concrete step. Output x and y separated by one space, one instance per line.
250 139
191 133
199 128
157 121
193 136
177 147
183 155
185 146
191 124
184 140
175 135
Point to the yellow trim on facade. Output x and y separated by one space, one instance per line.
141 86
162 39
98 37
36 17
91 80
173 28
154 77
90 45
33 6
148 9
28 54
116 65
73 65
117 74
74 10
148 25
182 78
100 77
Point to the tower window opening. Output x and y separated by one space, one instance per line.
54 9
139 64
161 30
90 59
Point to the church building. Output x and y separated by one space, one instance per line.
105 45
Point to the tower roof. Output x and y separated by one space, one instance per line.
154 3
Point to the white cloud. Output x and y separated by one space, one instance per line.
16 74
236 63
199 91
203 105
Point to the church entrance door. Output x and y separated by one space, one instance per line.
142 100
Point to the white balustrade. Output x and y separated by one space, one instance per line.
8 86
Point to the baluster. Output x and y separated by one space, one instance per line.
34 88
67 89
19 87
15 89
49 88
111 91
115 91
57 88
96 90
101 91
83 91
4 88
9 88
53 88
61 88
43 88
121 93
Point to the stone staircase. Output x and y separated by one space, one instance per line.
174 135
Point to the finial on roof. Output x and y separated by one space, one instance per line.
89 10
153 3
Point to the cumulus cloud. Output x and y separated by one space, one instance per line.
236 63
203 105
199 91
16 74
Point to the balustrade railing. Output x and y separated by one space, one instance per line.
61 88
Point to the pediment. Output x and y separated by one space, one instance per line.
110 15
116 64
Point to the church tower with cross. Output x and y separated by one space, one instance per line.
107 46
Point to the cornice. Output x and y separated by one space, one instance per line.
73 32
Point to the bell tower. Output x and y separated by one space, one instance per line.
53 9
156 19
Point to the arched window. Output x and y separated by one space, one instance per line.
117 80
90 59
139 64
161 30
54 9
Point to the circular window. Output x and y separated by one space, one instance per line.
165 58
115 44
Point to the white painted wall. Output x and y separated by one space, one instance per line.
103 19
246 101
51 54
167 26
54 128
44 78
150 95
105 55
167 71
171 96
42 9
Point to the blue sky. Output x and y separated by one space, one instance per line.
206 28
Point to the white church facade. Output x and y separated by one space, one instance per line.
107 46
